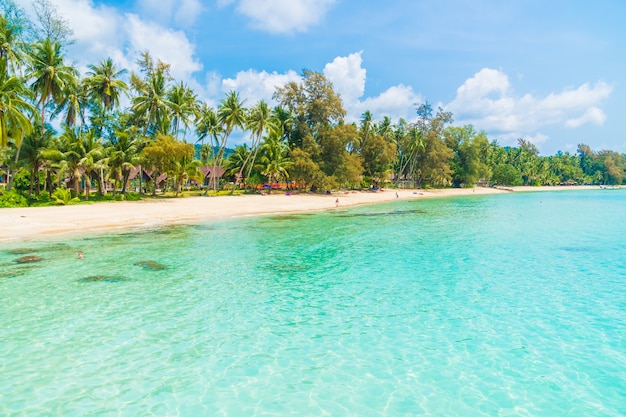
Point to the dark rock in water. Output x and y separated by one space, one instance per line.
28 259
151 265
102 278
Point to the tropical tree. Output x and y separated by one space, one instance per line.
15 107
91 152
51 77
231 114
10 44
184 107
151 106
34 147
170 156
104 86
274 160
123 156
259 121
72 104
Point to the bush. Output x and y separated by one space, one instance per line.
42 200
63 197
12 199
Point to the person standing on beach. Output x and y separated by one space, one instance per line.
337 203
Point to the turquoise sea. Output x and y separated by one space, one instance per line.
505 305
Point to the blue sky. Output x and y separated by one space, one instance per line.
550 72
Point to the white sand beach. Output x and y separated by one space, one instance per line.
23 223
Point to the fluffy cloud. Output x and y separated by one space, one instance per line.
102 31
347 76
593 115
254 85
396 102
282 16
487 101
168 45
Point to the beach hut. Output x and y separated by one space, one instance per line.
211 175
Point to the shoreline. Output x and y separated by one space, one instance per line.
32 222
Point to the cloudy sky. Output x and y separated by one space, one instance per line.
552 72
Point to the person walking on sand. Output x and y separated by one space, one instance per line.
337 203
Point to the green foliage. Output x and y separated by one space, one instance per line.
505 174
305 139
41 200
10 199
63 197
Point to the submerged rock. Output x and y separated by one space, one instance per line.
102 278
20 251
28 259
151 265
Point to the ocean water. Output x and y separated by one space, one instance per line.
506 305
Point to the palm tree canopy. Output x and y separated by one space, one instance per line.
104 85
51 77
14 106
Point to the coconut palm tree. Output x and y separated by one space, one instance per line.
184 107
15 107
51 77
72 104
231 114
151 104
104 86
260 121
123 156
91 152
274 159
32 156
10 45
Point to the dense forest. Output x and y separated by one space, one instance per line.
64 135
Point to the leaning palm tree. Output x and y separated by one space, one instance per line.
104 86
231 114
259 122
51 77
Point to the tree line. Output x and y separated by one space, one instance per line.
63 130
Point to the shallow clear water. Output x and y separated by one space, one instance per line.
511 305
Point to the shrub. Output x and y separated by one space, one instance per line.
12 199
63 197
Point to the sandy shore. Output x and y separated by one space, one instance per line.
23 223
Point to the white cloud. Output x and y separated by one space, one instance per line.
488 101
592 115
282 16
102 31
171 47
253 85
347 76
396 102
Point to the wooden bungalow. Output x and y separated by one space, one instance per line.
210 175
